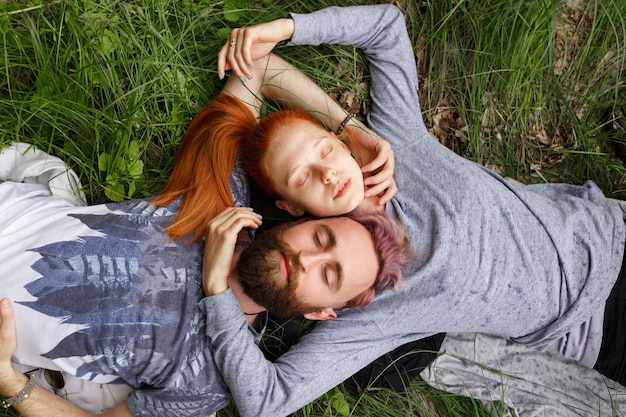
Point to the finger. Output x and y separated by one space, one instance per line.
382 158
384 154
385 175
234 212
6 312
222 63
378 183
221 217
236 223
373 165
7 322
216 224
232 55
238 45
388 194
376 189
246 48
232 220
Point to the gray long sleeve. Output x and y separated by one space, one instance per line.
526 262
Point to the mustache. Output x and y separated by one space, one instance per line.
262 259
293 260
271 241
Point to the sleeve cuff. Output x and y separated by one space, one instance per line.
221 311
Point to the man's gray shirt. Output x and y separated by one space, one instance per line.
527 262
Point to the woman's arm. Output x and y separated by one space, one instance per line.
40 402
274 78
258 74
219 246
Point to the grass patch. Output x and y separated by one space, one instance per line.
527 88
533 89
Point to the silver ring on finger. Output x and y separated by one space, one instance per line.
232 42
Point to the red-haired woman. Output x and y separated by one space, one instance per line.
311 158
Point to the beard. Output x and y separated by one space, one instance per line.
258 271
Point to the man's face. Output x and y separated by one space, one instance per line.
310 266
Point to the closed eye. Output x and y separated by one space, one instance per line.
325 276
319 241
329 277
302 179
324 237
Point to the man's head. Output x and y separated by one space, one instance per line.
312 267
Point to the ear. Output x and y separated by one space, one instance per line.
324 314
289 208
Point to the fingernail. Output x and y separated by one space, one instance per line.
242 80
249 66
248 77
220 75
6 303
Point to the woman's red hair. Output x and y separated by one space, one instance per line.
203 163
207 154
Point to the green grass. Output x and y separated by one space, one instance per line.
529 88
533 87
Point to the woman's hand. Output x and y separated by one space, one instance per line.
248 44
219 246
377 156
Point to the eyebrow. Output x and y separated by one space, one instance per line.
332 242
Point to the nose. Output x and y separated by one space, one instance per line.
327 174
309 259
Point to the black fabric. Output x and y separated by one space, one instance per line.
281 334
399 367
393 370
612 357
266 207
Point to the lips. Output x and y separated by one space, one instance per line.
284 266
342 188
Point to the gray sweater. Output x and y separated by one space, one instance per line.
526 262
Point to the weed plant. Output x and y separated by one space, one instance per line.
533 89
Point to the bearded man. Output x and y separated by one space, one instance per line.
101 293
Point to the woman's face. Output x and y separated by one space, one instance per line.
314 171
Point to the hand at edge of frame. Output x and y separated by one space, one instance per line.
245 45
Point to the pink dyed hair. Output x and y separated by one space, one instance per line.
393 249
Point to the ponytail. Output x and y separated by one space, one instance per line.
203 163
207 154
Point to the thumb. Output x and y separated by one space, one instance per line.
7 319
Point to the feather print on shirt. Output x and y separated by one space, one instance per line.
133 289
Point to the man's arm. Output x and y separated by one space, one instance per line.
40 402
